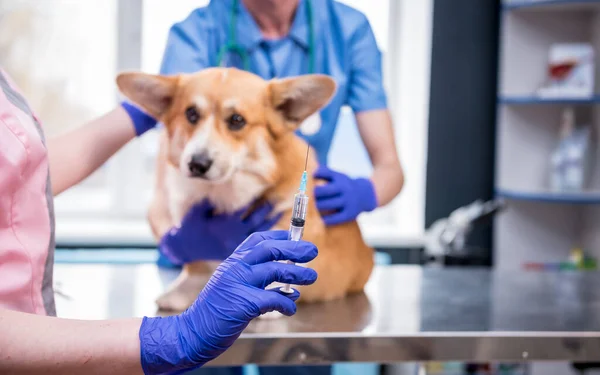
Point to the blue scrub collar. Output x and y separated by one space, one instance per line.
299 29
248 32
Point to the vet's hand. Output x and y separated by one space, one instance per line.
234 296
342 198
142 122
205 236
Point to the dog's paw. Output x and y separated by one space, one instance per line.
182 293
173 301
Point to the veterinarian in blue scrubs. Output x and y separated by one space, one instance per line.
282 38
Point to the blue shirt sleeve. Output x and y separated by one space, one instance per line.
365 91
187 45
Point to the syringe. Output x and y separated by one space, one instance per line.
298 218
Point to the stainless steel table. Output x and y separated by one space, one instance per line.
407 314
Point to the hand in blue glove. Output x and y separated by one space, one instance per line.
342 198
233 297
206 236
142 122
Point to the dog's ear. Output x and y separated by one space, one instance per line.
153 93
294 99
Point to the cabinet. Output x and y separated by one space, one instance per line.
540 225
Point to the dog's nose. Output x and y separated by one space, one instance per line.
199 165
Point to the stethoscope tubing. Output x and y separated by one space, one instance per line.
233 46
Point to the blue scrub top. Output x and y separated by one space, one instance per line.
344 46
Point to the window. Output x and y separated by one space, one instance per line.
111 205
157 19
62 55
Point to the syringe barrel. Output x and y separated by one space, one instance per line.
299 209
298 217
295 233
297 225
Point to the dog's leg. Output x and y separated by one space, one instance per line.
362 260
185 289
344 265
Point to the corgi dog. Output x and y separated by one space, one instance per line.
245 126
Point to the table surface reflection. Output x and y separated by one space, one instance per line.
407 313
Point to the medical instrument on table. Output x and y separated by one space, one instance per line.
232 46
298 215
447 237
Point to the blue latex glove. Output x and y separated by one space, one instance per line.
343 198
206 236
233 296
142 122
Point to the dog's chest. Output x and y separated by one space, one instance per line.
184 192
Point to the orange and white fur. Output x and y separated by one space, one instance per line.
245 127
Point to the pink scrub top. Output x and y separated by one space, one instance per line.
26 210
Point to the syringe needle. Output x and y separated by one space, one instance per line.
306 161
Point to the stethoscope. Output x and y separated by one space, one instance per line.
231 46
311 125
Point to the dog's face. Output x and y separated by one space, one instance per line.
223 121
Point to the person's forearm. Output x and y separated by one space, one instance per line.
31 344
377 132
78 153
388 180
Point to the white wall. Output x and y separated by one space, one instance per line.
411 28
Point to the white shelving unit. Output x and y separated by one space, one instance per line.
539 225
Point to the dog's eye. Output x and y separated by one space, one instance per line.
192 115
236 122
